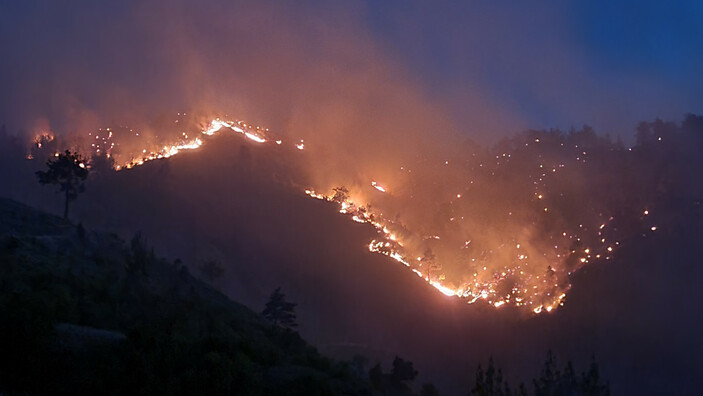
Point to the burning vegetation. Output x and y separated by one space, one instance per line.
507 226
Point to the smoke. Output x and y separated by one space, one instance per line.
311 72
294 68
487 69
367 111
154 72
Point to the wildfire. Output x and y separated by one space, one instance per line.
480 289
510 273
254 134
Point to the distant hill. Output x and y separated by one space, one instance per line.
85 312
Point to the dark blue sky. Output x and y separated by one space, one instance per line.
556 63
492 67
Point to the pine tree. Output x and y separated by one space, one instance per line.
403 370
280 312
490 382
68 171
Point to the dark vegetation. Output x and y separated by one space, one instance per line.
396 382
552 381
68 171
84 312
280 312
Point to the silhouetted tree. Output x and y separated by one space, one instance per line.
556 382
551 381
280 312
403 370
69 172
547 383
490 382
395 383
568 377
590 381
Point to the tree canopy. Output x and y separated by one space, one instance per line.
68 171
279 311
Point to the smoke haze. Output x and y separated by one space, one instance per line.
415 99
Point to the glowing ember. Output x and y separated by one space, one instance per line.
255 138
378 187
453 249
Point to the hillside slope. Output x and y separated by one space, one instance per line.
238 207
86 312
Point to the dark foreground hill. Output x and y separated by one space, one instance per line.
85 312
